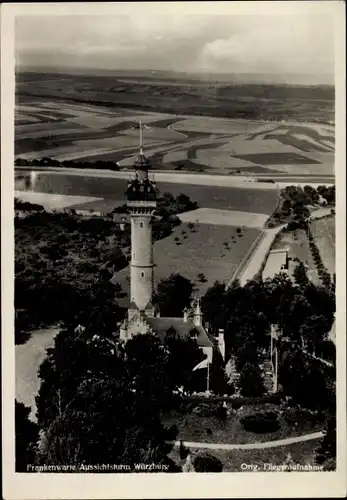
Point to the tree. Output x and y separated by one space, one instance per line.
146 369
183 356
173 294
26 437
286 207
54 252
251 382
99 402
213 305
300 275
247 354
313 331
305 380
326 452
202 278
206 462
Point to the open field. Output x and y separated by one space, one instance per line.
245 198
95 124
323 231
215 251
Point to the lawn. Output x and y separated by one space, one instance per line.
199 250
323 231
211 429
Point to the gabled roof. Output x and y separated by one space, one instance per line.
161 325
132 305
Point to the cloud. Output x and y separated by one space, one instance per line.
260 43
291 45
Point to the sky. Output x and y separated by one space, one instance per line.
275 44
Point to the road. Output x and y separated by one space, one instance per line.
28 358
252 446
259 255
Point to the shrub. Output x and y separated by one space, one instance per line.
261 422
202 278
206 462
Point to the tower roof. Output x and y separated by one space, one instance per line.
141 162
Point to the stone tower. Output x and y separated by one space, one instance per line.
141 202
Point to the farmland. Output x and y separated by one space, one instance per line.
77 118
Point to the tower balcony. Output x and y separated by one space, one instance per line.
142 205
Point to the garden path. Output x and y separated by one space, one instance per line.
252 446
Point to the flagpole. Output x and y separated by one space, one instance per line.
271 343
276 370
141 152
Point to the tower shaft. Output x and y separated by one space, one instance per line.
141 268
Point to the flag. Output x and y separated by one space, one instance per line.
203 364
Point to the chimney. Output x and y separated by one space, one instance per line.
221 343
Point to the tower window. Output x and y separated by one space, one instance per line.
141 224
133 255
142 274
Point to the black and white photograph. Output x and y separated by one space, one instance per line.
175 234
